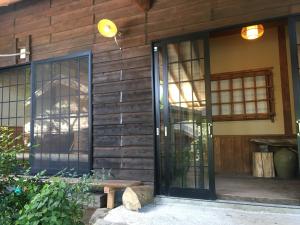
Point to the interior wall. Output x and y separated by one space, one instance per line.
232 53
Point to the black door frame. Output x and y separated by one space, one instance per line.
181 192
292 20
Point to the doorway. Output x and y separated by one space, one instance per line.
183 118
240 100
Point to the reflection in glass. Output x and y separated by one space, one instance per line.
187 150
61 119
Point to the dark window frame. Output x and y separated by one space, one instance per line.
90 109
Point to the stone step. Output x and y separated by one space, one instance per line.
240 205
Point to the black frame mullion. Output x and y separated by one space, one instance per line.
166 121
295 74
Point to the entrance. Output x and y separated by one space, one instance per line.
183 118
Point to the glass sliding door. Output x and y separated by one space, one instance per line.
294 33
183 118
61 115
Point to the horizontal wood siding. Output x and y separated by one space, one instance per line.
123 123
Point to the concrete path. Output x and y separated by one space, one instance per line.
173 211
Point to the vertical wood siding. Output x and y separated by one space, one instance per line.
123 126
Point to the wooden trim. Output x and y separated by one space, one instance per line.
266 73
239 74
284 75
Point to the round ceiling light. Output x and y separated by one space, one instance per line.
252 32
107 28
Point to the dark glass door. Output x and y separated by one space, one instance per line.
294 33
60 122
183 118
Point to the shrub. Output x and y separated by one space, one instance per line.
10 146
16 192
58 203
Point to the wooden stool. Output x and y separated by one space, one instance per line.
263 165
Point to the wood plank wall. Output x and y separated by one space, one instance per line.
233 153
123 137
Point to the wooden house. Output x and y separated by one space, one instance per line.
174 101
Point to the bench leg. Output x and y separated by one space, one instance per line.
110 197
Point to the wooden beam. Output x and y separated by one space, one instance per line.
287 116
145 5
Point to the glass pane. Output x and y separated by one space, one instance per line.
224 84
186 92
185 71
214 85
173 75
214 97
249 95
215 110
225 109
197 49
12 104
238 108
61 123
185 50
260 81
237 83
188 128
173 53
198 69
262 107
174 94
261 94
225 96
237 96
250 107
248 82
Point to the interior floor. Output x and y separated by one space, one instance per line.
262 190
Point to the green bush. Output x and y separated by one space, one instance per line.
58 203
10 146
28 200
16 192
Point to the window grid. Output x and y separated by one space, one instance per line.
251 97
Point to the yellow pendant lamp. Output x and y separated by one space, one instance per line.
107 28
252 32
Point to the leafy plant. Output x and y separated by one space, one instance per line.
58 203
16 191
10 146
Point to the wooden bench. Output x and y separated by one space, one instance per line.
110 187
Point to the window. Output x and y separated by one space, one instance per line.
50 107
15 102
242 95
61 115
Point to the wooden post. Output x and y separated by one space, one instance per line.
110 197
263 164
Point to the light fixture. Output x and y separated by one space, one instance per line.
108 28
252 32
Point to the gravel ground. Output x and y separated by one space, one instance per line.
201 214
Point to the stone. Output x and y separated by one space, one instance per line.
134 198
98 214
